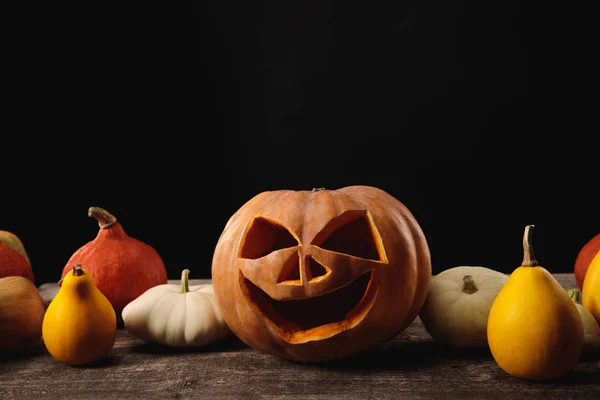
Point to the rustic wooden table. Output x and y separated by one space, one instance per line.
412 366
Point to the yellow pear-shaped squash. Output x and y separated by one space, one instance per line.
590 294
534 329
80 324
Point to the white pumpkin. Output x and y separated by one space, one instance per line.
591 329
458 304
176 316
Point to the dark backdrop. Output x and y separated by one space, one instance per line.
173 128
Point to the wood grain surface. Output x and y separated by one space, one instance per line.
412 366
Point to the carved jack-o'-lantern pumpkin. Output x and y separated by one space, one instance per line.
320 275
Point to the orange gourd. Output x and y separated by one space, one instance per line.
322 274
13 258
123 267
584 258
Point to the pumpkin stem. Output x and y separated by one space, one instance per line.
317 189
528 256
185 286
469 286
104 218
574 295
77 270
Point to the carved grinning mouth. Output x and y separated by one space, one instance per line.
327 314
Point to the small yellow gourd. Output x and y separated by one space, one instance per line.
80 324
590 295
534 329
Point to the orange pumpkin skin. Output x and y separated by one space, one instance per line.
320 275
584 258
112 257
14 264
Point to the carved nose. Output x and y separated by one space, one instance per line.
291 273
315 271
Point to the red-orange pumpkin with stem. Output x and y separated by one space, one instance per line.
323 274
123 267
13 258
584 258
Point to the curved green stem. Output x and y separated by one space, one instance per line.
574 295
185 285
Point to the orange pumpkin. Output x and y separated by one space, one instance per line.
584 258
13 258
323 274
123 267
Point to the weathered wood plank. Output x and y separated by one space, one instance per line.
400 368
411 366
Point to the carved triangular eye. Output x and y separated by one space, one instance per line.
264 236
353 233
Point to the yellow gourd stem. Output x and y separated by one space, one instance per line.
185 286
528 256
469 286
77 270
574 295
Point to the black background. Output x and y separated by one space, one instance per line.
173 127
